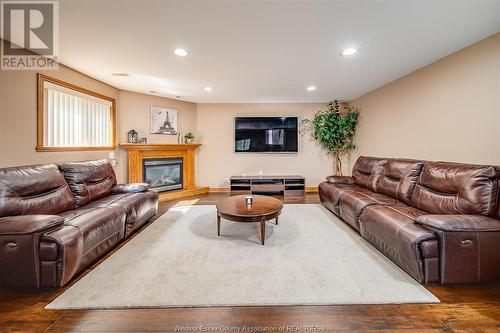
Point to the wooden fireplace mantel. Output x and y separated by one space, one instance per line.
137 152
160 146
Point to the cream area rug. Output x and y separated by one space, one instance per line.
310 258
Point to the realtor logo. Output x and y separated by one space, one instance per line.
30 35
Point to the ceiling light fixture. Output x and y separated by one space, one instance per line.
349 52
181 52
311 88
208 89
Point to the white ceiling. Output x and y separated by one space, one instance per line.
265 51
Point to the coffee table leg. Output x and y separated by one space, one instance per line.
262 232
276 220
218 225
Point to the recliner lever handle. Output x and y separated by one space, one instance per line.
11 245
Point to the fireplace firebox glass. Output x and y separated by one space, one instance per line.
163 174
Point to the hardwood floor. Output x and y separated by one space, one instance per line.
463 309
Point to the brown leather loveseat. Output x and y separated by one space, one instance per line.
56 220
438 221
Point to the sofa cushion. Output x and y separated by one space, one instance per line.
353 200
48 251
37 189
452 188
69 243
392 230
367 171
90 180
96 225
139 207
399 178
429 248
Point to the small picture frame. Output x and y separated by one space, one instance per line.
163 121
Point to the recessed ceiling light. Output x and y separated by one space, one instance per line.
181 52
349 52
311 88
120 74
208 89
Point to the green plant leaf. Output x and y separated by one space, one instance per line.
334 132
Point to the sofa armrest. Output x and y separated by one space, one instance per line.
340 180
130 188
459 222
469 247
20 248
28 224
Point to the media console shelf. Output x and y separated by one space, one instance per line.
287 186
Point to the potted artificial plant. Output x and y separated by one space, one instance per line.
335 131
188 138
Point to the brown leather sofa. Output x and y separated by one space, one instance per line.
56 220
438 221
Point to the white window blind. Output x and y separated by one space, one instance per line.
74 119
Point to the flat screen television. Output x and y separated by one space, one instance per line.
266 134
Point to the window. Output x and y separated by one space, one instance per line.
72 118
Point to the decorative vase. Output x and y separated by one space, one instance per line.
188 141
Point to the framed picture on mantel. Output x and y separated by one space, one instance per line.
163 121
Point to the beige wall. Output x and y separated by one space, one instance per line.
216 157
449 110
134 113
18 111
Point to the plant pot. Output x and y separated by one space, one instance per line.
188 141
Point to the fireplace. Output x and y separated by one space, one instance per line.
163 174
138 152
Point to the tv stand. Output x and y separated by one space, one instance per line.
286 186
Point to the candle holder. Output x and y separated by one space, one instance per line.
249 199
132 136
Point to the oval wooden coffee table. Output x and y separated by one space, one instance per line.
262 209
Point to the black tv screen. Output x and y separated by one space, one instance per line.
266 134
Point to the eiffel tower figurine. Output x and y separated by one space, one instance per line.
167 128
